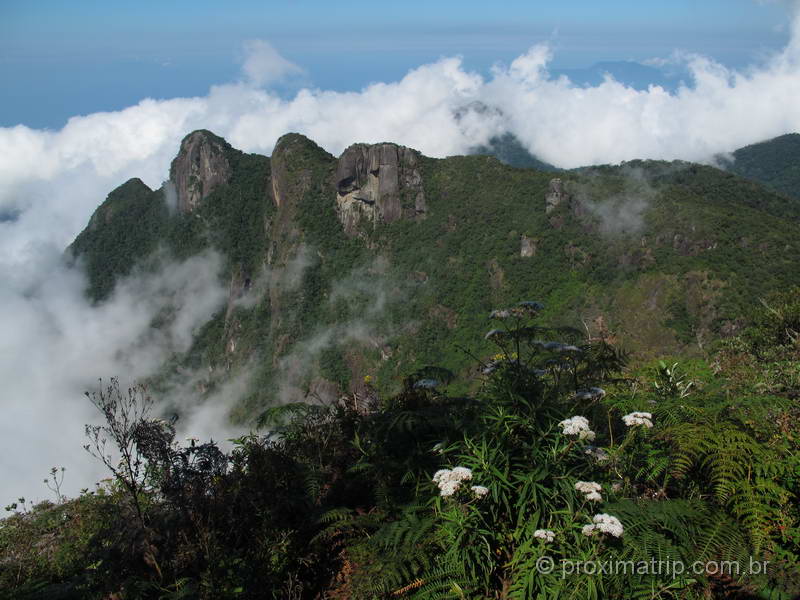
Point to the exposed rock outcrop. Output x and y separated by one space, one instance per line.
687 246
497 276
528 246
556 195
200 167
292 167
378 184
562 201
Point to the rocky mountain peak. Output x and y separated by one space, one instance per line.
201 165
378 183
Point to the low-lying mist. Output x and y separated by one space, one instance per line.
56 345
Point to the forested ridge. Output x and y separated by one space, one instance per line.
498 379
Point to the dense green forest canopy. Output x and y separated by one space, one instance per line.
775 163
666 256
520 365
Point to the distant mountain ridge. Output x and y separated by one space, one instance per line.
775 163
509 150
382 261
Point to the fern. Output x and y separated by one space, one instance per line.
735 467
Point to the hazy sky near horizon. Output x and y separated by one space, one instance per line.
60 59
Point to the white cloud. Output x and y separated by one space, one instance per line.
52 342
263 64
560 122
367 291
54 346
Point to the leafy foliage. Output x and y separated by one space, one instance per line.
125 229
430 495
695 455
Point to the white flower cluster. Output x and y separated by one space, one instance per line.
604 524
449 480
638 418
577 425
479 490
591 489
545 534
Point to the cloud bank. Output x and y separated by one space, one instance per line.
53 344
429 109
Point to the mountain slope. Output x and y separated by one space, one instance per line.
774 163
124 230
508 150
383 261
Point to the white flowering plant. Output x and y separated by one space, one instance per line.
547 458
533 448
450 481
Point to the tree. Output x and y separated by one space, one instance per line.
131 431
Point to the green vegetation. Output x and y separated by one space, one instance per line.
666 256
427 494
774 163
124 230
652 276
508 150
135 222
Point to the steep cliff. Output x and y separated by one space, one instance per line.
199 168
556 195
378 184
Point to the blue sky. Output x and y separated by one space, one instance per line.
59 59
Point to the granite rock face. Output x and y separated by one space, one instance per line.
555 196
528 246
200 167
378 183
